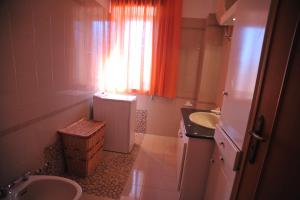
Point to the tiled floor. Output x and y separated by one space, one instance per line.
86 196
154 173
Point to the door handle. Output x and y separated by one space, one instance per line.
258 128
256 138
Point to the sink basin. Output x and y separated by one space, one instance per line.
205 119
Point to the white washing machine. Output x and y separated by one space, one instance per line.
118 112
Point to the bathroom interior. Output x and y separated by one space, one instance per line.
149 99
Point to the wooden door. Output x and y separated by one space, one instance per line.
274 173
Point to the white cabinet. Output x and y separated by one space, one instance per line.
223 166
193 171
217 185
246 45
118 112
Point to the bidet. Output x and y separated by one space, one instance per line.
42 187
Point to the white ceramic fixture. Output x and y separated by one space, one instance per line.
46 188
118 112
206 119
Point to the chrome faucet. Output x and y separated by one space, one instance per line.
6 190
216 111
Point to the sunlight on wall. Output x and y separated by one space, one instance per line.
91 29
250 56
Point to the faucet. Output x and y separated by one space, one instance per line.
216 111
6 190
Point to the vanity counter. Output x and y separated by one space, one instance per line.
194 130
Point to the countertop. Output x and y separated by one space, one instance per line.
194 130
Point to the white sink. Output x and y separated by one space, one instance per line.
205 119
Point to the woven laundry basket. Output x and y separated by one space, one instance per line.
83 144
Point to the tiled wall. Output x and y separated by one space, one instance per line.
197 8
163 114
141 121
191 51
224 64
212 71
49 51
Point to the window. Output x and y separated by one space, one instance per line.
128 66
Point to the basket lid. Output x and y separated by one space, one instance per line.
82 128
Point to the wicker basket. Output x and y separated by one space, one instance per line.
83 143
82 167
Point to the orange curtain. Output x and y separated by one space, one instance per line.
165 56
144 47
128 66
